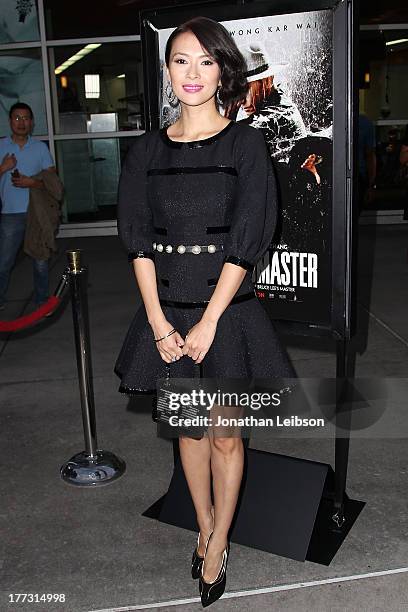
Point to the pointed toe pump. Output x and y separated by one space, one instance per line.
197 560
211 591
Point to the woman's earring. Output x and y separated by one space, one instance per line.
171 96
219 101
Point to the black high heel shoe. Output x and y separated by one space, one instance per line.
197 560
211 591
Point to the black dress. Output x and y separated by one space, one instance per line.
219 191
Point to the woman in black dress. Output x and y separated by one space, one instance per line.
197 209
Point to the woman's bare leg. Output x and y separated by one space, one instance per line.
195 459
227 462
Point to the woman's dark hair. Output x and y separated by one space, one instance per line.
22 106
218 43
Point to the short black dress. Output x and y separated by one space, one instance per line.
220 191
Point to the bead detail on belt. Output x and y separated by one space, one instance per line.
184 248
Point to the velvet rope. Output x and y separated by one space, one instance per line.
27 320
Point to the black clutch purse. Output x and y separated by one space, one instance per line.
187 418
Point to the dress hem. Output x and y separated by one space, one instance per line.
135 391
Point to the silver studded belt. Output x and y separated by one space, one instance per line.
187 248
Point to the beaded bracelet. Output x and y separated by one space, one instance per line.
173 331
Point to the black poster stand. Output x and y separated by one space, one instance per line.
314 513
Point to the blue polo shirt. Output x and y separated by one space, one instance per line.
31 159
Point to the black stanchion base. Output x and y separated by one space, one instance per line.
327 537
285 507
82 470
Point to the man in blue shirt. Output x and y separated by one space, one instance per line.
21 157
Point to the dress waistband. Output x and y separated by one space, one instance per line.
187 248
239 298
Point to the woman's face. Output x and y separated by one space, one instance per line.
193 74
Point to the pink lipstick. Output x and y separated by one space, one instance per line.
192 88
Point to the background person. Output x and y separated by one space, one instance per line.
266 106
302 159
21 157
404 170
367 160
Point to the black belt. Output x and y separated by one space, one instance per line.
239 298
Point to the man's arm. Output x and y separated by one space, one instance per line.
38 184
371 161
7 163
29 181
404 154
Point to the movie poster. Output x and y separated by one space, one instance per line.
289 60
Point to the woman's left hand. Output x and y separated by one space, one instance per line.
199 339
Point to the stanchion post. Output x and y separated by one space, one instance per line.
79 300
92 466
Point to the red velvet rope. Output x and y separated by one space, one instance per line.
28 320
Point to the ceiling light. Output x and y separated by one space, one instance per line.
77 56
92 88
396 42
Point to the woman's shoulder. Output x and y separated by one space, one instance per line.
143 141
139 150
249 134
249 141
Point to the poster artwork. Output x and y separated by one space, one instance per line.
289 60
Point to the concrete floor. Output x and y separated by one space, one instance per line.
94 546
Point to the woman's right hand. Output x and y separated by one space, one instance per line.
168 347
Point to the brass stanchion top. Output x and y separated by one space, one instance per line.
74 260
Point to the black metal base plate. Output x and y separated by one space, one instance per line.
282 507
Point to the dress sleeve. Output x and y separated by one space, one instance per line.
135 221
255 207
